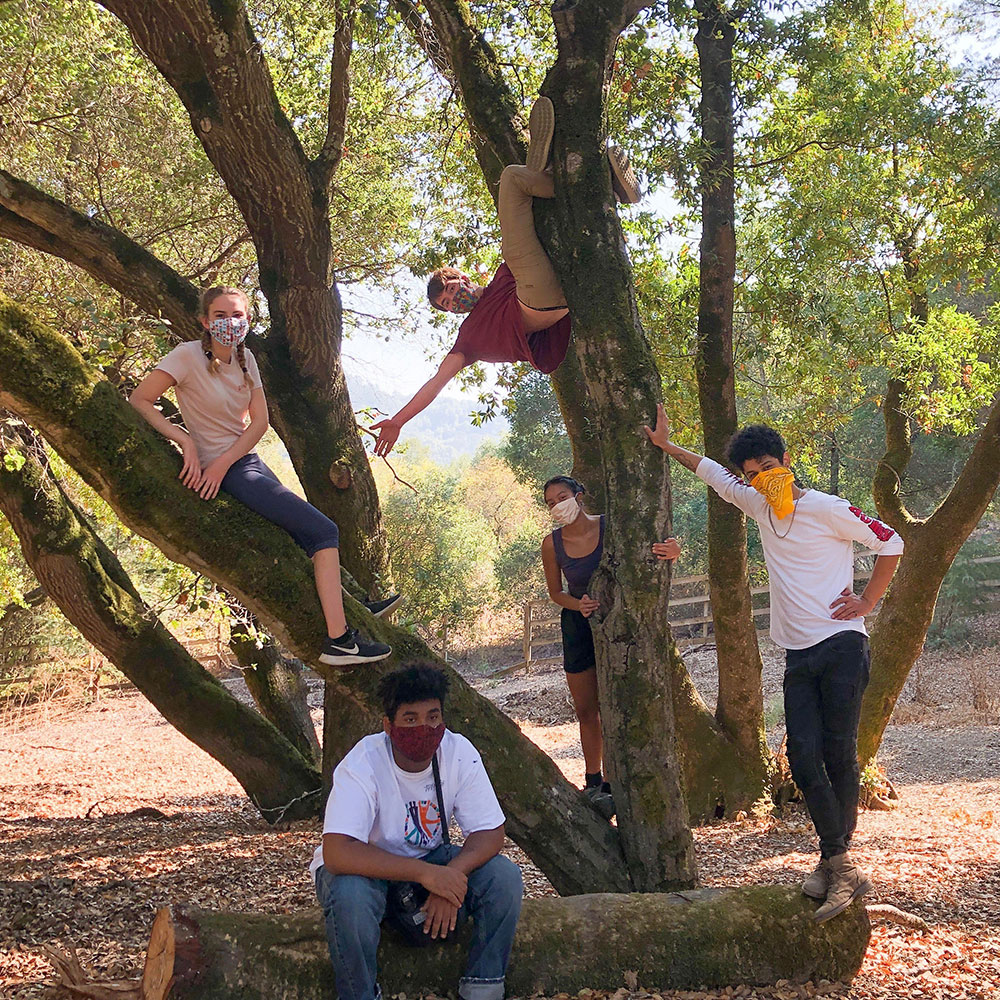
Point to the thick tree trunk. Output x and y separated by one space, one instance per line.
93 591
588 253
208 53
276 685
688 941
44 380
740 706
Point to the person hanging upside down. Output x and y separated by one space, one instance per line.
521 315
218 387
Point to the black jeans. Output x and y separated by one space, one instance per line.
823 687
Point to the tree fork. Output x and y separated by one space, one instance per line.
46 381
94 592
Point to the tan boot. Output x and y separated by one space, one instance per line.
816 884
847 883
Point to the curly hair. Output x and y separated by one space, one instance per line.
754 442
418 681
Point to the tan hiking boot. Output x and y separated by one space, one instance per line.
623 179
816 883
541 125
847 883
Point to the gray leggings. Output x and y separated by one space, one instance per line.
254 484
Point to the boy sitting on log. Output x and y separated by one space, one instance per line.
386 852
808 537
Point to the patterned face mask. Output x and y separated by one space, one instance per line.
775 486
230 331
464 299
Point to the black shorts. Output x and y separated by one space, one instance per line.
578 642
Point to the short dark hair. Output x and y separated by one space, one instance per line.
576 486
436 283
412 683
755 441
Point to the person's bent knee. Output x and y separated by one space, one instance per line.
349 895
505 878
332 542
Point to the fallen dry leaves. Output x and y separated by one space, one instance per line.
108 813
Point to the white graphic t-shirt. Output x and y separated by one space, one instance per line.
810 559
375 801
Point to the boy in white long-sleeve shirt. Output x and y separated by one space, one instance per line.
817 618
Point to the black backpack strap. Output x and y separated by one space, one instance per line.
445 835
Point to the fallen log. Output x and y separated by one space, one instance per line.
703 937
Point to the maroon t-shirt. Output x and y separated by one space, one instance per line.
494 330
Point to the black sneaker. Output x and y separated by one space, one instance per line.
379 608
351 648
603 800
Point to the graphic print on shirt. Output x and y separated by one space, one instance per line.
423 822
882 531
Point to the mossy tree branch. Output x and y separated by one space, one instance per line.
45 381
95 593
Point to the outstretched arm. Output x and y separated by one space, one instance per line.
389 429
661 438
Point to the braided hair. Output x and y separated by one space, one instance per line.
208 296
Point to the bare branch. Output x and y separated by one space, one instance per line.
33 218
328 158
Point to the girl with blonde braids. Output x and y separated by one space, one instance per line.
215 397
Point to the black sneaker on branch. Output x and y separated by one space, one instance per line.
350 649
379 608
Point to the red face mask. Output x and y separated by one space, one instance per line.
416 742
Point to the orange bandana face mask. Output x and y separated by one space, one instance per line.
775 486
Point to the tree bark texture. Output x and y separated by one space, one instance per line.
276 685
93 591
588 252
740 706
691 940
45 381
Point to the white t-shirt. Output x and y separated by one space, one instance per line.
214 407
810 559
375 801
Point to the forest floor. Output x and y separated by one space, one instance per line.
79 865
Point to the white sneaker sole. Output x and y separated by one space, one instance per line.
541 126
350 659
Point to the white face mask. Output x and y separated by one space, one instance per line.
565 512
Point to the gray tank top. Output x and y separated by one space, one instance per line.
578 571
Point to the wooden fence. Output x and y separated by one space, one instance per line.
541 626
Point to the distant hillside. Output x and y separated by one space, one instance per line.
445 427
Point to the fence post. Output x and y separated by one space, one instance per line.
527 635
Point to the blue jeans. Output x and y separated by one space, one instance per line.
354 906
823 686
251 482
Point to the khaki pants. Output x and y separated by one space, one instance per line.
537 284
